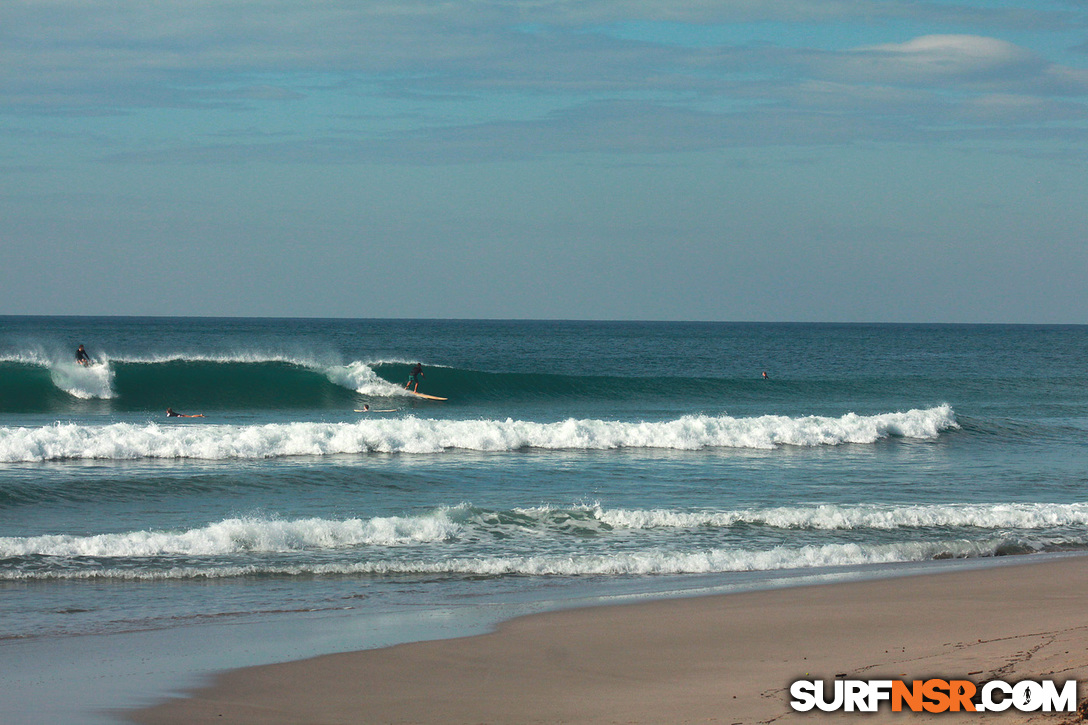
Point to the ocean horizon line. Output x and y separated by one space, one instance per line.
558 320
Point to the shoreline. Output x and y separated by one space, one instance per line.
709 658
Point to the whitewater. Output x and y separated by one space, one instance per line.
126 441
419 545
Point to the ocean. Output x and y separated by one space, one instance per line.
573 463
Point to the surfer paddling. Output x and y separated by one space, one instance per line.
171 414
414 376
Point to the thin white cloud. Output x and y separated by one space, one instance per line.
940 58
964 63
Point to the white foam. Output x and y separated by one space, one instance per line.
241 535
128 441
420 544
709 561
84 381
861 516
361 378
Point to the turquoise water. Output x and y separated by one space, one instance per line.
570 458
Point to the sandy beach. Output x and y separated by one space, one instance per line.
717 659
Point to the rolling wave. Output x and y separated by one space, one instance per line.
32 383
427 543
712 561
409 434
256 534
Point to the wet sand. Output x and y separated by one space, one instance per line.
713 659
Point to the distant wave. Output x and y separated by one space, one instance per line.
127 441
426 543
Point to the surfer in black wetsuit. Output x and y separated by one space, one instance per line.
414 376
171 414
82 357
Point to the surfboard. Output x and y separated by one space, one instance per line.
424 395
390 410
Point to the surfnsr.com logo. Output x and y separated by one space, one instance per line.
934 695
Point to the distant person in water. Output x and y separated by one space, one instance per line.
171 414
366 408
82 357
414 376
765 375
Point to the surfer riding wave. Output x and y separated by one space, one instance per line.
414 376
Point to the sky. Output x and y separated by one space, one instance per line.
749 160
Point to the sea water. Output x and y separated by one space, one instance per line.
572 461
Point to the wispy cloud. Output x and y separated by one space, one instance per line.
608 92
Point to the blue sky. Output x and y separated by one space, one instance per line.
801 160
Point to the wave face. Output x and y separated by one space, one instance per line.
547 540
248 382
258 382
127 441
33 385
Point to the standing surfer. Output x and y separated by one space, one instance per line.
414 376
82 357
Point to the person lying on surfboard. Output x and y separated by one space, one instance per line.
171 414
414 376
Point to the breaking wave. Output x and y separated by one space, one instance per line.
432 542
409 434
33 383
